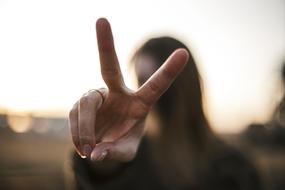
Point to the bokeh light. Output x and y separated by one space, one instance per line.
49 56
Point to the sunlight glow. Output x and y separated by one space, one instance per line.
49 58
20 123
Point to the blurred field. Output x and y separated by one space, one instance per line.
269 159
35 159
31 160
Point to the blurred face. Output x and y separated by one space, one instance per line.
144 68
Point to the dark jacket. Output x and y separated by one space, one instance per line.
228 170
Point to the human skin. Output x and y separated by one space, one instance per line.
109 123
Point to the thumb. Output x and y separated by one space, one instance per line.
123 149
119 151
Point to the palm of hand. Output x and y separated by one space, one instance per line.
110 123
118 114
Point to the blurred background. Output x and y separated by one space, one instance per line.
49 58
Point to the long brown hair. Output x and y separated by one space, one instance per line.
185 133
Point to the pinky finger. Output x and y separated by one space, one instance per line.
73 124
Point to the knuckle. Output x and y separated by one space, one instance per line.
85 101
110 72
168 73
153 86
98 96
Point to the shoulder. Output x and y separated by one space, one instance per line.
227 156
230 169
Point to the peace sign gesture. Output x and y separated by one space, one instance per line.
109 123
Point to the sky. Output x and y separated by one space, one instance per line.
49 57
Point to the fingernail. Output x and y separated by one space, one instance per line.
87 150
103 155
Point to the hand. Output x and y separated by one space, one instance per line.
109 123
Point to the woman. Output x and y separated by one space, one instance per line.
178 150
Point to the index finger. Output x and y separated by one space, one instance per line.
110 67
160 81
